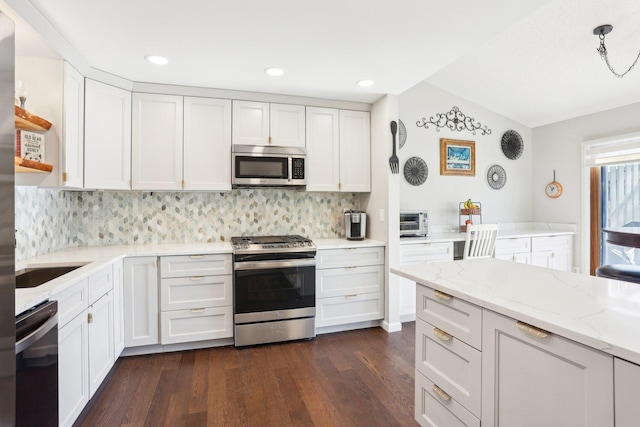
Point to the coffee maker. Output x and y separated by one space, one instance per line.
355 224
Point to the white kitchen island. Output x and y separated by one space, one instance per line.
502 343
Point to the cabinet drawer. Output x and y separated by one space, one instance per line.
100 283
349 309
454 316
421 252
350 280
453 365
196 325
549 243
72 301
195 292
349 257
195 265
433 410
513 246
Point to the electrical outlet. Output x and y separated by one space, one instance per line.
381 215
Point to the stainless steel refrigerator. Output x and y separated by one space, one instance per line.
7 236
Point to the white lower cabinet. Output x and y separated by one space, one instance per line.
554 252
73 369
349 285
517 249
474 366
196 298
141 312
533 378
85 342
101 353
416 253
118 310
627 400
434 408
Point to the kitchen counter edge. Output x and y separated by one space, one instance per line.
596 312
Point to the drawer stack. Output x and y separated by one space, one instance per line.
448 360
196 299
349 285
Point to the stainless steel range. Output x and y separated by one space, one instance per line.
274 279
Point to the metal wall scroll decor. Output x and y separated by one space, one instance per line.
454 120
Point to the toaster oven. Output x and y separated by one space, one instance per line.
413 223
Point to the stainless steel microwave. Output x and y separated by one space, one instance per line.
414 223
266 166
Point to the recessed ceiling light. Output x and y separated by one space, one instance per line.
274 71
158 60
365 83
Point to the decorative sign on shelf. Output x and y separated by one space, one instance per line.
29 145
454 120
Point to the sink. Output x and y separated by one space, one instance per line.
32 277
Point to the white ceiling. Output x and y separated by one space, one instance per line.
533 61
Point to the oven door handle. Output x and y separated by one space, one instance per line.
40 332
262 265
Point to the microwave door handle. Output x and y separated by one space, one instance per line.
289 169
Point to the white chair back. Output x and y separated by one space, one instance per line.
480 241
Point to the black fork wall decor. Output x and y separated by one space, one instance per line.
394 163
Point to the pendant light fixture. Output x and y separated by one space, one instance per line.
602 31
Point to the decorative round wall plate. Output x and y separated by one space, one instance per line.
416 171
512 145
402 134
496 177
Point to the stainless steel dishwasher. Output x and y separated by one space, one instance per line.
37 366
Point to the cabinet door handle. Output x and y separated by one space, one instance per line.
532 330
351 267
197 310
197 277
442 295
89 317
441 393
442 334
351 296
196 256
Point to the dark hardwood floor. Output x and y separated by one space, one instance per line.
355 378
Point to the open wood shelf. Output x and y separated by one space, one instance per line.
24 165
27 121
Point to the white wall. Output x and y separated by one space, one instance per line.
558 146
384 197
440 194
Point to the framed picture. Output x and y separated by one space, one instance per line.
457 157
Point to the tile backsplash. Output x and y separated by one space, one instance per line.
48 220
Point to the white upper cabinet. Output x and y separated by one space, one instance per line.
261 123
287 125
355 151
156 155
107 138
207 144
323 149
338 150
72 128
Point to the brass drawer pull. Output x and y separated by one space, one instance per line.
442 334
351 296
197 277
532 330
442 295
441 393
197 310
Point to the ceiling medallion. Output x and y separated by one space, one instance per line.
602 31
454 120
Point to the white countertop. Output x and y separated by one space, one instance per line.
597 312
96 257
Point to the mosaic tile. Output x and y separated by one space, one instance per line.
48 220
